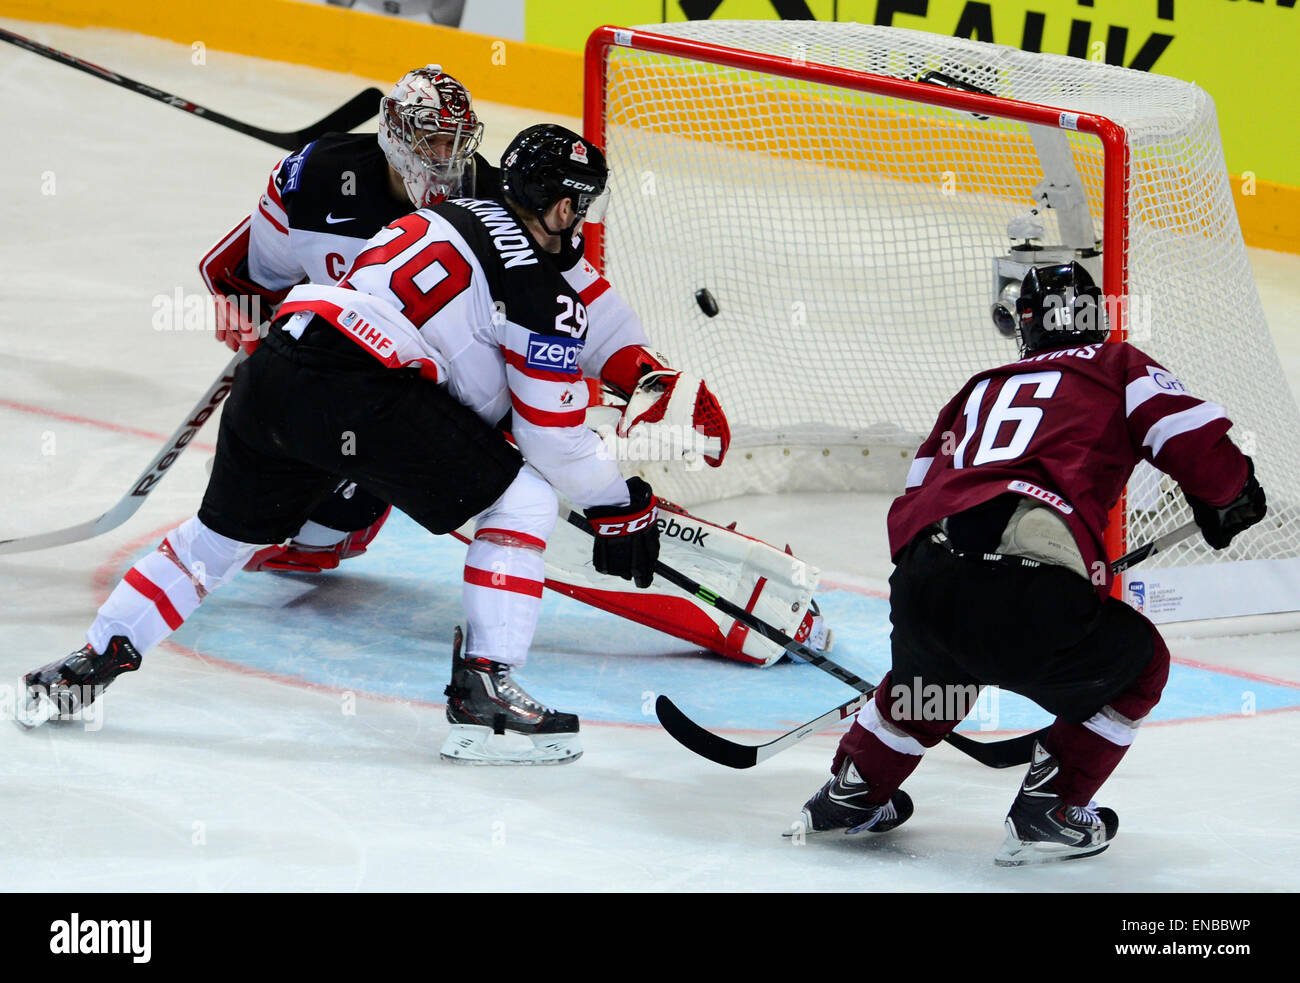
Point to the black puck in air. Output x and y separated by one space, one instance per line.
707 304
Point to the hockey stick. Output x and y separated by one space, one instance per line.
1157 545
687 732
144 484
998 754
354 112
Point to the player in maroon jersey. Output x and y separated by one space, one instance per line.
1001 576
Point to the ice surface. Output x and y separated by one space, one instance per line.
287 739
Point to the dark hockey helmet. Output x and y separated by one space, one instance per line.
1059 306
547 162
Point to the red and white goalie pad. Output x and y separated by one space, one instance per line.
773 585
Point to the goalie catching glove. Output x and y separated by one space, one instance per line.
676 405
627 536
1219 524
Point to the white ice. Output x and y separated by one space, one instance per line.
204 777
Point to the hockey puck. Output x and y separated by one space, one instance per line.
707 304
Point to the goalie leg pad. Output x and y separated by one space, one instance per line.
300 555
773 585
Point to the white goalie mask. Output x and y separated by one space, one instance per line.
429 133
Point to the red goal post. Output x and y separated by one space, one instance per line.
1112 137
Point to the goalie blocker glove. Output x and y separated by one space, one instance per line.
627 536
1219 524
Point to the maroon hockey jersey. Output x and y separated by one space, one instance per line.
1067 427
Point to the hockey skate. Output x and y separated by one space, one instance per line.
1043 829
841 804
489 711
63 688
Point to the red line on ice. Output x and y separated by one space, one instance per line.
9 404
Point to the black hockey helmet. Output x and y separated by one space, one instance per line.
547 162
1059 306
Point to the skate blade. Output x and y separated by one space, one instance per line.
37 711
1016 852
803 827
468 744
800 827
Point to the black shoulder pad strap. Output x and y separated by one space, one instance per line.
487 179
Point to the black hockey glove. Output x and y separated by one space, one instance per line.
1220 523
627 536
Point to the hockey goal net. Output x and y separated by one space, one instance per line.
855 198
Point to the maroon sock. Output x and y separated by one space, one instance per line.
1086 758
882 767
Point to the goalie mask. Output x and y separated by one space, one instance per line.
547 162
429 132
1058 306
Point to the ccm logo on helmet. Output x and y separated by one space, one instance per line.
578 185
627 526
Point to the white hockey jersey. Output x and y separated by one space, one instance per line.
324 203
461 292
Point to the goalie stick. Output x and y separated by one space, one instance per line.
996 754
354 112
149 477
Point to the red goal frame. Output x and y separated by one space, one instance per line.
1114 141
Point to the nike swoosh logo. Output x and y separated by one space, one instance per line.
1036 779
334 221
847 792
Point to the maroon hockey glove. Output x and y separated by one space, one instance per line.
627 536
1220 523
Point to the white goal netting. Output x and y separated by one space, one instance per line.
849 239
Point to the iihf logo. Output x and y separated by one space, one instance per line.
1137 595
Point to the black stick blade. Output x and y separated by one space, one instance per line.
998 754
705 743
361 107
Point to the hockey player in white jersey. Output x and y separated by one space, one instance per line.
399 377
320 206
